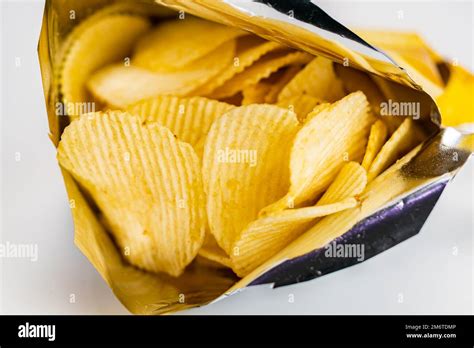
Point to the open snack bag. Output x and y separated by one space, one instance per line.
207 146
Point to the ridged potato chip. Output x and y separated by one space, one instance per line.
265 236
82 58
249 49
266 91
188 118
146 183
212 251
175 44
261 69
349 182
355 80
317 79
377 137
455 104
119 86
245 166
331 135
268 235
302 105
405 138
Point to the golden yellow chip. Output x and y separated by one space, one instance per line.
212 251
268 235
279 80
302 105
248 50
266 91
245 166
355 80
188 118
119 86
175 44
261 69
349 182
405 138
317 79
377 137
156 212
332 135
83 57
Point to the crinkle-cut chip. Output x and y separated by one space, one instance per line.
331 136
188 118
114 35
279 80
349 182
302 105
266 91
119 86
249 49
255 94
455 104
317 79
377 137
245 166
175 44
268 235
146 183
235 99
212 251
355 80
261 69
405 138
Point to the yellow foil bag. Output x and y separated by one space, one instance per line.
440 88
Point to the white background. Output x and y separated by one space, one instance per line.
430 273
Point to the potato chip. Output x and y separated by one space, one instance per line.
332 135
455 104
317 79
146 183
302 105
279 80
266 236
119 86
175 44
355 80
405 138
245 166
188 118
212 251
266 91
249 49
377 137
349 182
255 94
82 57
385 188
263 68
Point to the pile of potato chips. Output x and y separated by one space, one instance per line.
212 142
